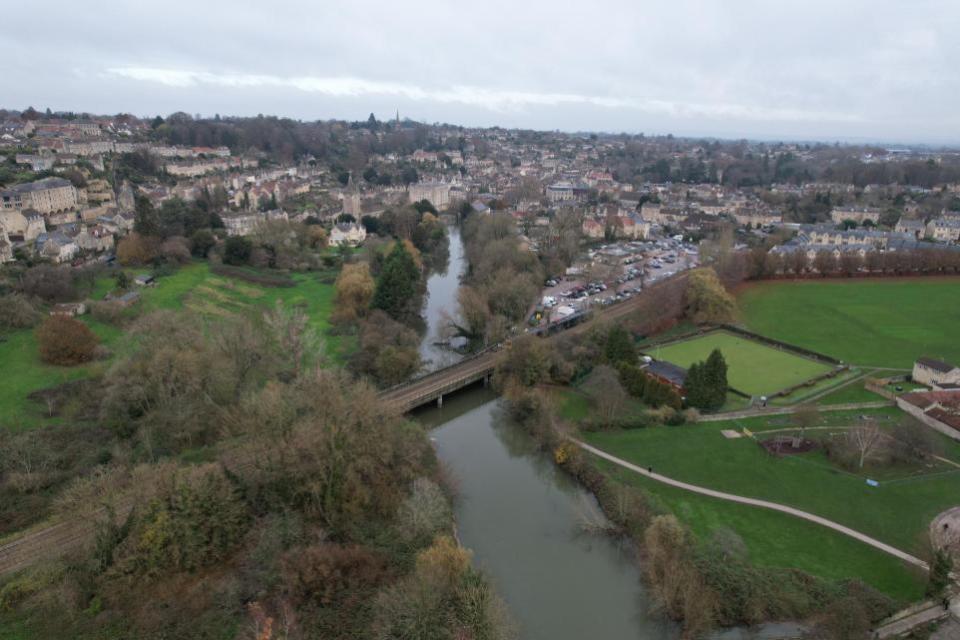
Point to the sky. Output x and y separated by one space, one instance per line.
857 70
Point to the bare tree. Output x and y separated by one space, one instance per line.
866 439
806 416
606 391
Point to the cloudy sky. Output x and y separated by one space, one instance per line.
886 70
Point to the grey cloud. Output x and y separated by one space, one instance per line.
817 69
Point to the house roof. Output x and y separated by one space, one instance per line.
936 365
668 371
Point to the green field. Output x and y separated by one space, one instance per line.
752 368
778 540
879 323
898 511
192 287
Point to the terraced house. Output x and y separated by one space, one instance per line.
50 195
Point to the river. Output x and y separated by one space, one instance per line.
524 520
442 299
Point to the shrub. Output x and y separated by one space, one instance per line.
107 311
201 242
52 284
16 312
175 250
237 250
66 341
196 519
135 249
333 575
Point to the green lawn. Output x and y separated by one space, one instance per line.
778 540
191 287
753 368
880 323
897 512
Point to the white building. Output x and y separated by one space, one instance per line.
347 233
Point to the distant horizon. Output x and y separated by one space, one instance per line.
731 137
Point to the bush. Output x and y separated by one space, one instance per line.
107 311
196 519
333 575
201 242
135 249
51 284
66 341
175 250
237 250
16 312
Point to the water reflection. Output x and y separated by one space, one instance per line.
522 518
441 299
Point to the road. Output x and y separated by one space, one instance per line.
754 502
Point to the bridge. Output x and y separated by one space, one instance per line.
433 386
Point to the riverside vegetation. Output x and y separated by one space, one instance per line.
239 482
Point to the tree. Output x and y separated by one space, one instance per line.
620 347
146 219
525 363
604 388
355 288
136 249
398 284
201 241
865 440
707 299
237 250
66 341
16 312
716 375
940 569
825 263
706 382
49 283
807 415
633 379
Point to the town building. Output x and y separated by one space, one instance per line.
436 193
839 215
347 233
50 195
935 373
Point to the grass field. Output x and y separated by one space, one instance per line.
778 540
752 368
897 512
192 287
880 323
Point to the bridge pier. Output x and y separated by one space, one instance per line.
486 381
440 401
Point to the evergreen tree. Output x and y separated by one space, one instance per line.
715 372
706 382
698 395
397 285
620 347
146 220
